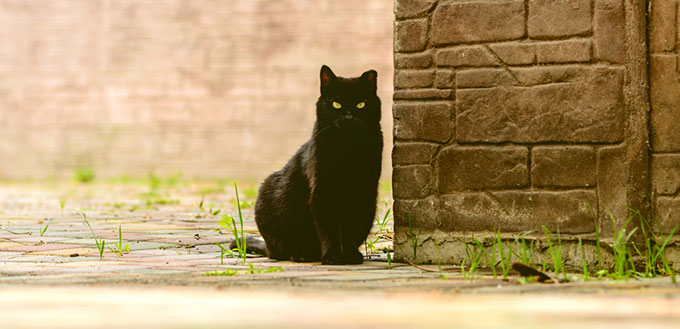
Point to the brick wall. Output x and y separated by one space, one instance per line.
202 87
514 114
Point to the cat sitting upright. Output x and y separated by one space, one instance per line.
321 205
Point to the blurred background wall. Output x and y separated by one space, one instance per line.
205 88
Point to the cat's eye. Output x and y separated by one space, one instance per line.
361 105
337 105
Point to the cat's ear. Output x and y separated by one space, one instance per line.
327 77
371 77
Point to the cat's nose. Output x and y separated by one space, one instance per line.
349 116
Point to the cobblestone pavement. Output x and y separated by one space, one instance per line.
57 280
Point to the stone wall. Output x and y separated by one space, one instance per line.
201 87
518 114
664 72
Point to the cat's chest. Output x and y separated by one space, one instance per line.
348 152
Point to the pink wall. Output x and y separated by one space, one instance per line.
204 88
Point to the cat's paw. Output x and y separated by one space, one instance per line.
333 258
353 257
304 258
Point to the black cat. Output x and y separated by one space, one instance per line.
321 205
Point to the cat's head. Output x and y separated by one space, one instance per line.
348 102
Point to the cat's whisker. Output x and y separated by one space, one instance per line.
323 130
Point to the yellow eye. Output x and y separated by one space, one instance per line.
337 105
361 105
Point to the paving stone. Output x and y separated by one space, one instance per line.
67 252
42 247
9 254
39 239
7 246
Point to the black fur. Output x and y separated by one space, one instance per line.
321 205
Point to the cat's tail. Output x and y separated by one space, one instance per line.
254 245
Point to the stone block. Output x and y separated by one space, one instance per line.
483 167
412 8
474 56
518 211
413 153
662 25
557 18
515 53
588 111
569 51
457 22
420 60
410 36
563 166
427 121
608 30
404 79
412 182
485 78
522 53
667 210
666 173
540 75
612 186
665 102
423 213
422 94
444 78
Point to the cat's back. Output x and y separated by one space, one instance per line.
291 182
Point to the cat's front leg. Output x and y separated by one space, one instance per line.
337 247
326 220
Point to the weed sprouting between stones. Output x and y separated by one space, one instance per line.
210 211
84 175
62 203
640 258
228 222
43 229
227 272
250 270
100 243
414 237
380 233
120 248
